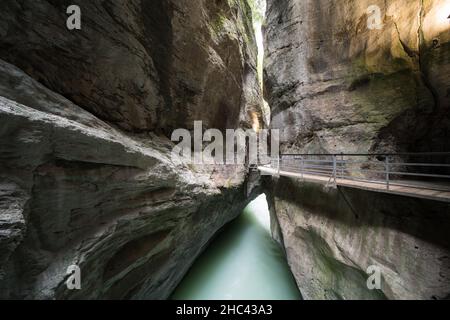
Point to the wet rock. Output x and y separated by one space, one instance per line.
333 236
86 172
335 85
142 65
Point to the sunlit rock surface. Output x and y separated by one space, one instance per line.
336 86
86 174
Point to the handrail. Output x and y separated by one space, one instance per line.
385 171
371 154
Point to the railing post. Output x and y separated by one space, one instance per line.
302 167
333 176
387 173
342 165
278 164
334 168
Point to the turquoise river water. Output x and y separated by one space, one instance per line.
242 263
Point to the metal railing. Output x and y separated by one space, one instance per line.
399 169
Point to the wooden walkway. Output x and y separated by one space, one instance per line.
422 191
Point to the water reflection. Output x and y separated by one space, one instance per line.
243 262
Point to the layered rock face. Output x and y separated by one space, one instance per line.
141 65
86 173
336 85
332 237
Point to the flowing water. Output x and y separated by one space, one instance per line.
242 263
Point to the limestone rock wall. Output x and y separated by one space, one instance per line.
332 236
141 65
86 174
334 85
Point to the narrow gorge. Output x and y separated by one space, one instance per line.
89 177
